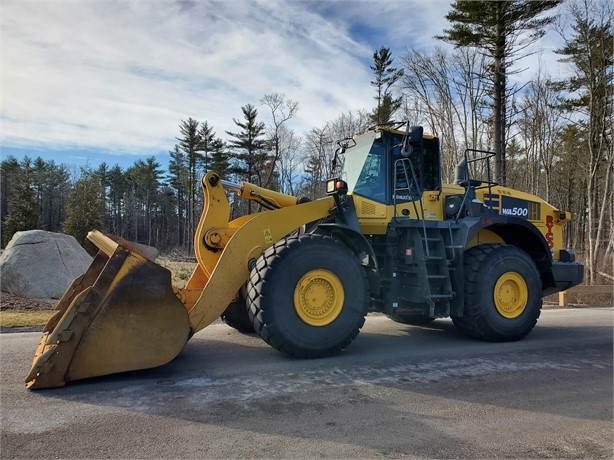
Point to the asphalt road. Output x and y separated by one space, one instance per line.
398 391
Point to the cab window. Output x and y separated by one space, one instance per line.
371 181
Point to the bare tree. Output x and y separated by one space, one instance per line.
290 163
539 128
319 149
282 110
502 30
589 51
447 94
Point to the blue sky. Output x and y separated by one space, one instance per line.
89 81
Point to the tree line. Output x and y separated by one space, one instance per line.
551 137
161 207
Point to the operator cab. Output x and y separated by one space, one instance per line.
389 166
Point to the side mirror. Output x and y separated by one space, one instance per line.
461 174
413 135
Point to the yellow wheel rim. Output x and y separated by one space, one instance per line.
318 297
511 295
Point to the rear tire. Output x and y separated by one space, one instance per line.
236 316
308 296
503 294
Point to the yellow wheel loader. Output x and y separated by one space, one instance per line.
388 237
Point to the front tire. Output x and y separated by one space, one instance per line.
503 294
308 296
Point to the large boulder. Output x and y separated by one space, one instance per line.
41 265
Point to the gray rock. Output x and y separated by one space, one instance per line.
41 265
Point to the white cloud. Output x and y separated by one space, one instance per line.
121 75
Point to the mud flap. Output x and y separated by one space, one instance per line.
121 315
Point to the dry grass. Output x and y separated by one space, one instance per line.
180 270
20 318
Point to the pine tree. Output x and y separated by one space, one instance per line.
191 144
56 190
83 212
250 151
218 160
22 205
210 145
501 29
144 179
9 170
167 236
103 175
190 161
385 77
117 188
178 181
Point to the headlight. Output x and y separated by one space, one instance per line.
336 186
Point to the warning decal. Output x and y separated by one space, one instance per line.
268 236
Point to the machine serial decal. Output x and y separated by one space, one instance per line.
517 207
514 207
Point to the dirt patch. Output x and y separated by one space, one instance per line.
12 302
22 314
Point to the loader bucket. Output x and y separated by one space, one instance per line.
121 315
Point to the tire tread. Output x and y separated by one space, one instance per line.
474 321
258 288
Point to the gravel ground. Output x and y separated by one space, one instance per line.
398 391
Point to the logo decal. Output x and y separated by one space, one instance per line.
549 234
